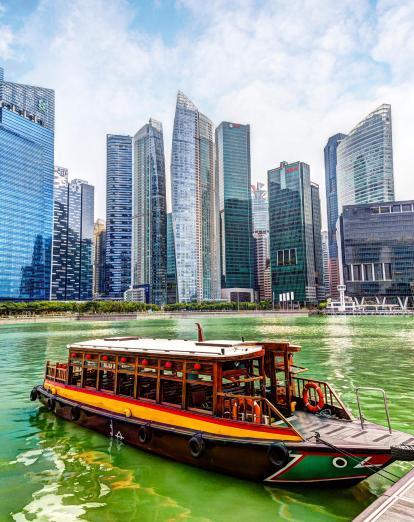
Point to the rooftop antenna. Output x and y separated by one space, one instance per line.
201 337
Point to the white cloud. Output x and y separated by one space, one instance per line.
297 71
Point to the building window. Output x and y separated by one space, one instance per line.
357 272
406 207
378 272
368 272
387 271
286 257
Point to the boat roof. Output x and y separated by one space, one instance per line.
184 347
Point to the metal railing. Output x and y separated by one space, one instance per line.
384 396
331 398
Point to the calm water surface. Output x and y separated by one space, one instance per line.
53 470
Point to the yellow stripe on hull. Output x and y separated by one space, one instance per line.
139 410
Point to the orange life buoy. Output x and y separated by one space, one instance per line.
321 402
257 413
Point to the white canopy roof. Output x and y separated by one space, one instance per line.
170 346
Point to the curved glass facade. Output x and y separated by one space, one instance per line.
26 190
364 162
194 203
149 220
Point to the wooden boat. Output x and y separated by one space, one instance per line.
237 407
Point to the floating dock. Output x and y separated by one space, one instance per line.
395 505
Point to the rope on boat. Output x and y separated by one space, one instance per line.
349 455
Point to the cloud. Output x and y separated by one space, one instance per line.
297 71
6 38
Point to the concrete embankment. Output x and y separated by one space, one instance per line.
155 315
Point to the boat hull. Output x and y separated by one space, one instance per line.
244 458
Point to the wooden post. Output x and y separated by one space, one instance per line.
158 391
184 385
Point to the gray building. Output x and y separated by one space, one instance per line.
364 161
118 214
194 204
325 255
171 268
99 247
377 251
260 212
317 242
72 263
149 217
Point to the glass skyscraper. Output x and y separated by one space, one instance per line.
260 208
378 250
27 116
330 153
171 268
72 268
364 161
194 204
99 248
317 242
118 214
149 218
260 213
235 205
291 233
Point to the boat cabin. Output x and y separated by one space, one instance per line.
239 380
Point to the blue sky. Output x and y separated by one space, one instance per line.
298 71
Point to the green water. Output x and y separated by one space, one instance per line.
53 470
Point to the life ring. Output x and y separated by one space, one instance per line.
305 396
278 455
144 434
33 394
75 413
197 446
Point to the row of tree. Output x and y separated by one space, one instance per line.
107 307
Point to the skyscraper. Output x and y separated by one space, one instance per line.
291 233
149 219
118 214
99 247
365 165
72 238
317 241
235 207
171 268
330 153
194 204
27 116
325 255
260 211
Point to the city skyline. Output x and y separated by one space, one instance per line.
352 45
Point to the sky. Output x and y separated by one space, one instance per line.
298 71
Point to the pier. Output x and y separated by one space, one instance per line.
395 505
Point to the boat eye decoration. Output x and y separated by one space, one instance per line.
339 462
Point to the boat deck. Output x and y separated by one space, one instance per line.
349 433
395 505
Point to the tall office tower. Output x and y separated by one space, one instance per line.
330 153
72 238
149 215
27 116
291 233
260 211
99 246
118 214
194 204
171 268
365 166
325 255
317 241
260 208
235 207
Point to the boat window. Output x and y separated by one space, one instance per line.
147 388
171 369
75 369
125 384
200 396
107 373
171 392
90 370
147 366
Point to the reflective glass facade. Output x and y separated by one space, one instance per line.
235 205
26 190
149 223
72 268
291 232
364 162
99 248
118 214
317 242
377 243
171 269
330 154
260 208
194 203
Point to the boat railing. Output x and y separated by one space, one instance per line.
331 398
251 408
56 372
